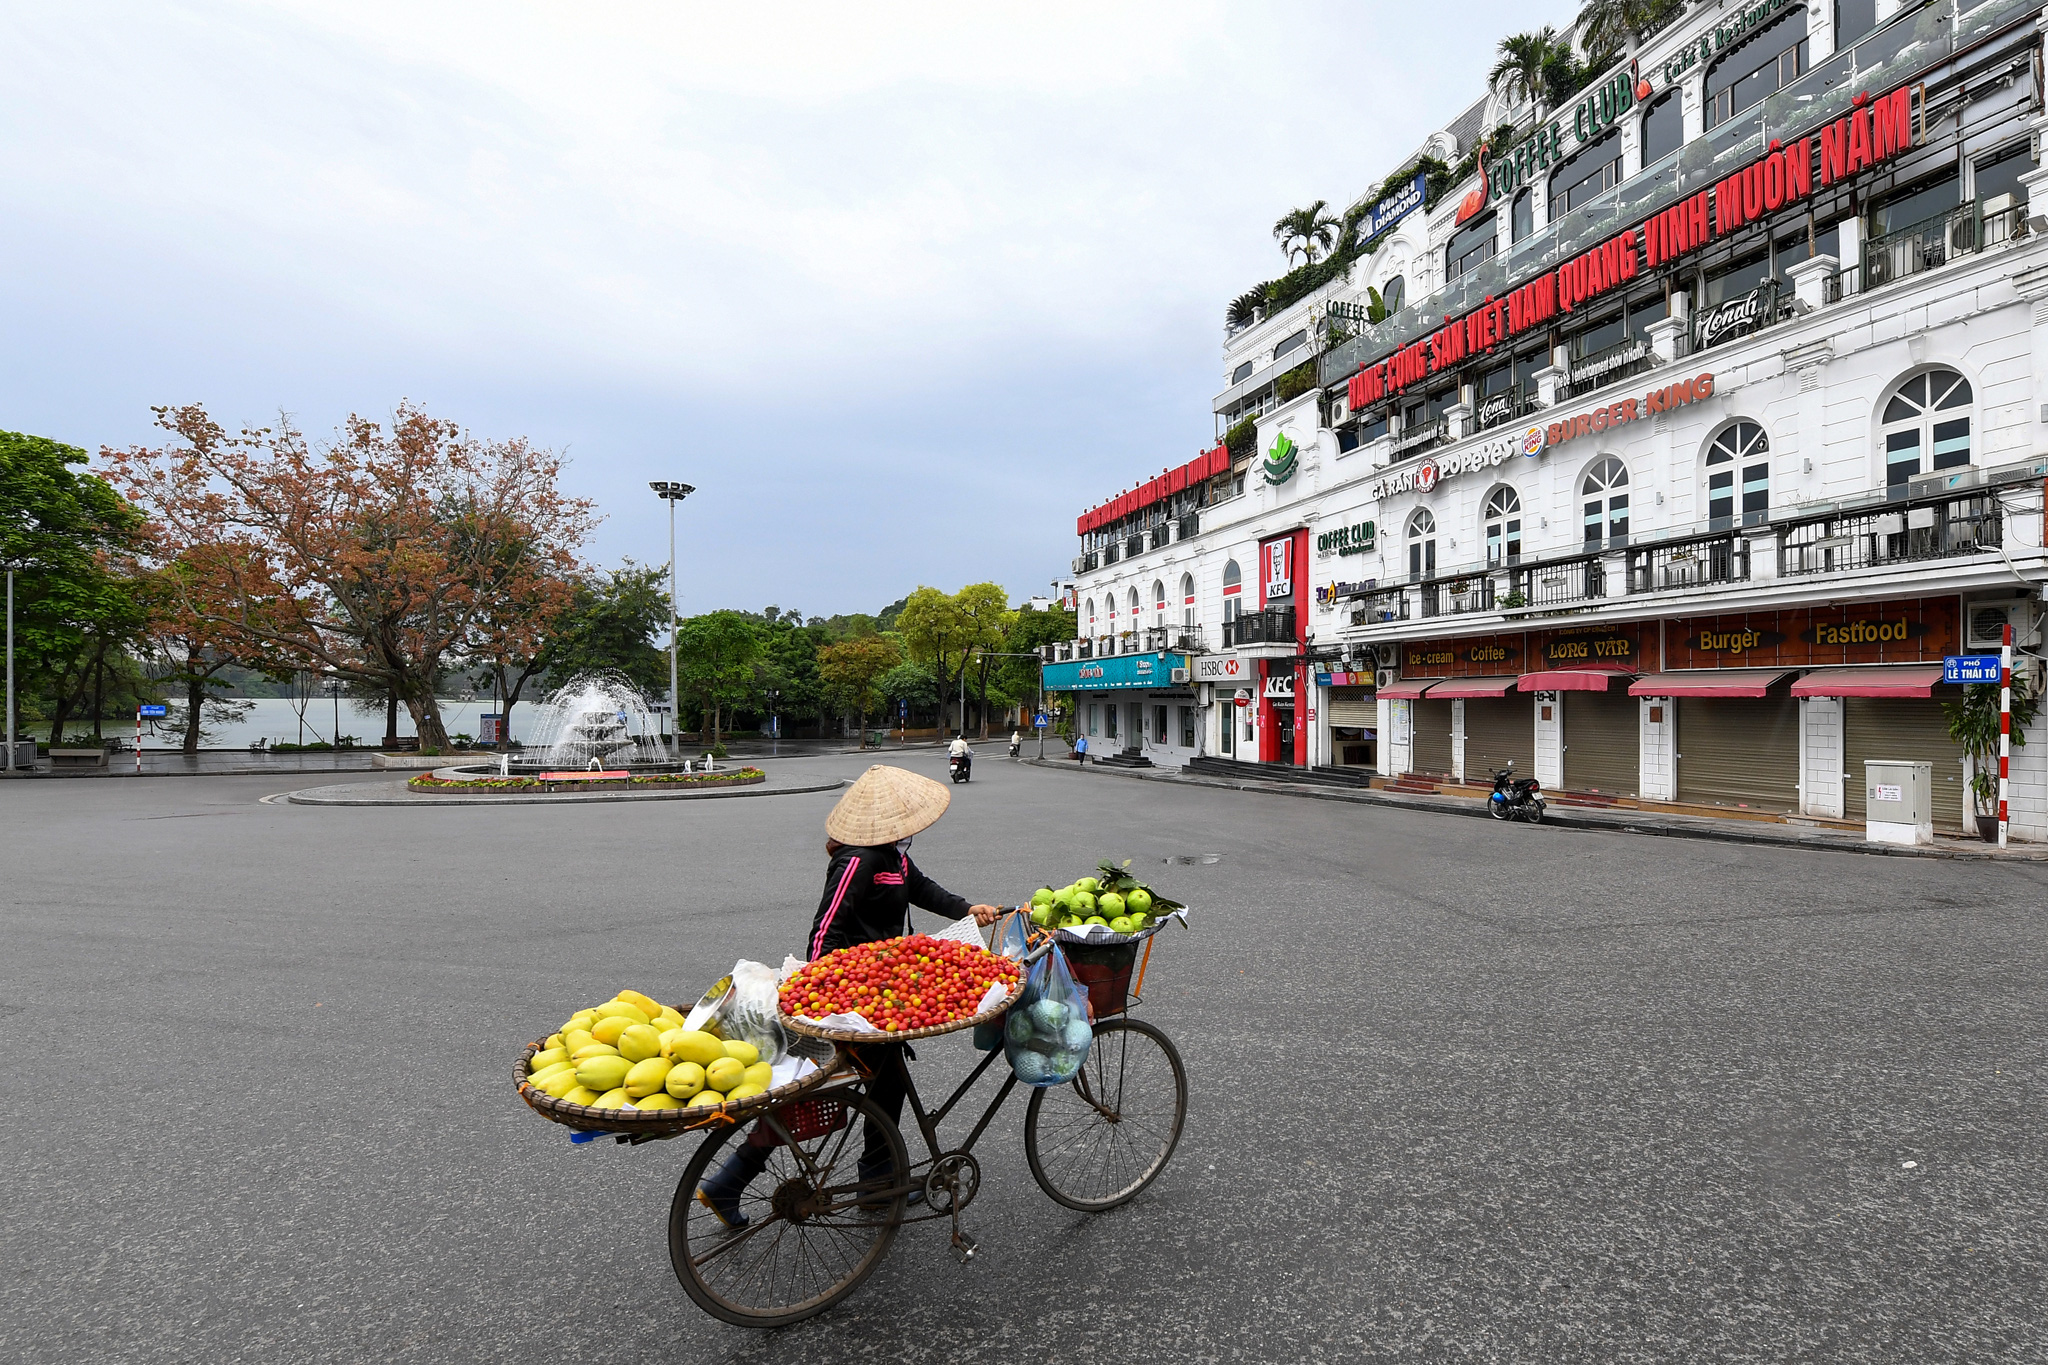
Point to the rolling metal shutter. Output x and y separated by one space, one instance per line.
1354 707
1902 728
1602 742
1739 751
1432 736
1498 729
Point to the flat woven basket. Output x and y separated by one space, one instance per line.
669 1122
842 1035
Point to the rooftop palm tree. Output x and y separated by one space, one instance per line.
1615 26
1526 61
1310 231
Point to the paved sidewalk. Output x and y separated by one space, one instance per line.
1615 820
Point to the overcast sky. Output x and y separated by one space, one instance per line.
900 289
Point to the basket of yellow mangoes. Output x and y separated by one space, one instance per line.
633 1066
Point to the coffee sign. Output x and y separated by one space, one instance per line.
1355 539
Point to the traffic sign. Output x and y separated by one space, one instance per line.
1039 722
147 709
1969 668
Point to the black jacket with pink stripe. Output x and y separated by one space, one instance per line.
868 895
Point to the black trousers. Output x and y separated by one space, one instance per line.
887 1061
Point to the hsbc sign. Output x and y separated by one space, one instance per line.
1221 668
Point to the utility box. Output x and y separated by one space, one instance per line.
1898 802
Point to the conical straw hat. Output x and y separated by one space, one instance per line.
884 805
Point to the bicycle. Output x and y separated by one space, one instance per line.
816 1230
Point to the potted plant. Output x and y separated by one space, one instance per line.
1973 723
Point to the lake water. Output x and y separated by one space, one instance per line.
273 720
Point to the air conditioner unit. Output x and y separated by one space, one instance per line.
1984 623
1386 677
1180 675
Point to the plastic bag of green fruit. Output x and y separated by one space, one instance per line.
1111 897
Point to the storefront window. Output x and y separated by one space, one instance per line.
1227 727
1109 718
1470 246
1503 527
1159 724
1926 426
1762 65
1917 204
1094 718
1663 127
1421 543
1999 173
1605 490
1594 170
1187 727
1742 449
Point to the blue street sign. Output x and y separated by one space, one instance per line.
150 710
1969 668
1038 722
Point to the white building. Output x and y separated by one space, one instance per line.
1724 408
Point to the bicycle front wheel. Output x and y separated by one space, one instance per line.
1098 1140
814 1229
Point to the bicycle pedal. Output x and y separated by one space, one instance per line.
964 1247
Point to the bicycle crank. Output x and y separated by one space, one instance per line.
952 1183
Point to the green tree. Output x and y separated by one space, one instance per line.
1607 27
1525 63
851 674
1974 722
942 632
717 653
788 667
1310 231
911 684
1029 630
70 537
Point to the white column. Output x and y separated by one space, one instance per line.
1549 738
1820 757
1849 242
1668 338
1810 279
1458 739
1655 759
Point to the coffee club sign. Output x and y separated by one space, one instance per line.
1355 539
1872 133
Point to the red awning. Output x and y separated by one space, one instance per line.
1471 687
1908 681
1708 682
1408 689
1589 677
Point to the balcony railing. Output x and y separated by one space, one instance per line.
1085 562
1445 597
1187 640
1931 529
1134 545
1744 315
1268 626
1425 437
1556 583
1110 553
1381 607
1612 363
1161 537
1506 406
1190 526
1155 639
1688 564
1928 245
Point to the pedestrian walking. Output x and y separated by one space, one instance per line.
1081 748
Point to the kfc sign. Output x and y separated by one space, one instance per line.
1279 566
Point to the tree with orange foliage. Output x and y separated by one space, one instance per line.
382 557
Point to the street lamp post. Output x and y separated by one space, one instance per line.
774 723
10 670
672 493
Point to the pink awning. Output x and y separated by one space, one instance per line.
1708 682
1472 687
1912 680
1590 677
1408 689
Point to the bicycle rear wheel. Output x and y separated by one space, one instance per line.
808 1242
1097 1141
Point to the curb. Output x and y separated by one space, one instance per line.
313 796
1554 817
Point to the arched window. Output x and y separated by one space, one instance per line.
1109 599
1926 426
1421 543
1394 293
1159 597
1663 129
1762 64
1522 215
1591 171
1503 527
1134 609
1470 246
1741 449
1091 616
1233 591
1605 490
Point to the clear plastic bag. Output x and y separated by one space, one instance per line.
751 1012
1047 1033
1011 940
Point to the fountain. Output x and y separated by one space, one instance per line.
595 721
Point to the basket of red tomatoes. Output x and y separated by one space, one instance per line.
898 988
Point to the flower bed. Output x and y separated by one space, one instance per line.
737 777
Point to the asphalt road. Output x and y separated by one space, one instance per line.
1460 1092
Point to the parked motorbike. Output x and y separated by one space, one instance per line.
960 767
1515 798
